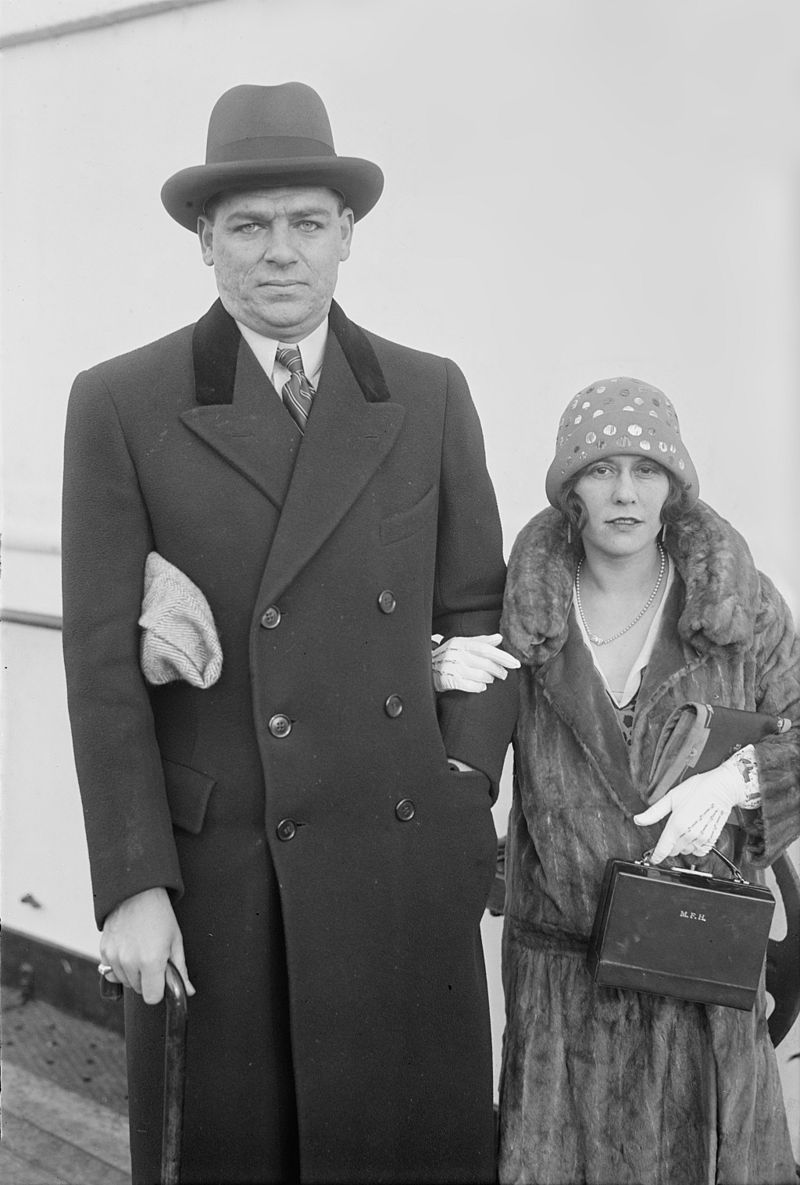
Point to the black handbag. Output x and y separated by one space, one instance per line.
681 932
685 932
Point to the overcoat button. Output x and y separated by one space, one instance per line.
393 706
387 602
286 830
405 810
271 617
280 725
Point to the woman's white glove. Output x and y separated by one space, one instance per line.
470 664
698 809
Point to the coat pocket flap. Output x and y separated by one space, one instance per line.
407 522
188 792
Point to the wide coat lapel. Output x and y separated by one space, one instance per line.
313 479
238 412
347 438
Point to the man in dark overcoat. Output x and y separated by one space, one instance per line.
308 836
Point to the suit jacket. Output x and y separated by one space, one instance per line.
307 793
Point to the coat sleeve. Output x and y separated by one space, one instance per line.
777 824
106 536
470 574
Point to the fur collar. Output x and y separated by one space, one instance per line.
720 579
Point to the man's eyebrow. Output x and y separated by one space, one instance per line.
260 215
311 212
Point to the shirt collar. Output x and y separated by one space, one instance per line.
312 350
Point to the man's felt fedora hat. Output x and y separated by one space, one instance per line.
269 136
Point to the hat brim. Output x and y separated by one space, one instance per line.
359 181
679 464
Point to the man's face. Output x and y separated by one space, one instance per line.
276 256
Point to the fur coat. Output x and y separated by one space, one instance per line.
602 1085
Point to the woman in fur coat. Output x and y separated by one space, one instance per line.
625 600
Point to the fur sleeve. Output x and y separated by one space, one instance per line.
778 692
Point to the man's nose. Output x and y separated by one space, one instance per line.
280 248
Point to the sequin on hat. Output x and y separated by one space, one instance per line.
613 416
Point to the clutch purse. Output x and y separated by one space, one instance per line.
685 932
681 932
698 737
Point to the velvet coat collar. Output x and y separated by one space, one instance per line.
215 350
354 426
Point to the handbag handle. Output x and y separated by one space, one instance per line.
737 877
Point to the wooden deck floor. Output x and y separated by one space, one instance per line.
53 1136
62 1106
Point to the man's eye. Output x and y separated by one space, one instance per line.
247 228
308 225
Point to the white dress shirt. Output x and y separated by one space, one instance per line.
312 352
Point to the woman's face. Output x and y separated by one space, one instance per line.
622 496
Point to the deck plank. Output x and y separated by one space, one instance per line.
66 1158
71 1118
16 1169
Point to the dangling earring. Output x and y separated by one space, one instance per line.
569 532
662 535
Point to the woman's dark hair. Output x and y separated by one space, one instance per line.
675 505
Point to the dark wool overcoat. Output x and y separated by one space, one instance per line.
600 1085
328 871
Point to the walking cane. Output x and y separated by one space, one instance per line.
174 1068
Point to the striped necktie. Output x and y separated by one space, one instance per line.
297 392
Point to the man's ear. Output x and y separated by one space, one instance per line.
346 221
205 233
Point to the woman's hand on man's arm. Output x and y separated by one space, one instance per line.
471 663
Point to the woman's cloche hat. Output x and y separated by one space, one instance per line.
267 136
613 416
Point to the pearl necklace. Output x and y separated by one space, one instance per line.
593 638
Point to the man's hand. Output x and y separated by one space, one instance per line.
138 937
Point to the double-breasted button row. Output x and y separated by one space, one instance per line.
405 810
387 602
271 617
279 725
